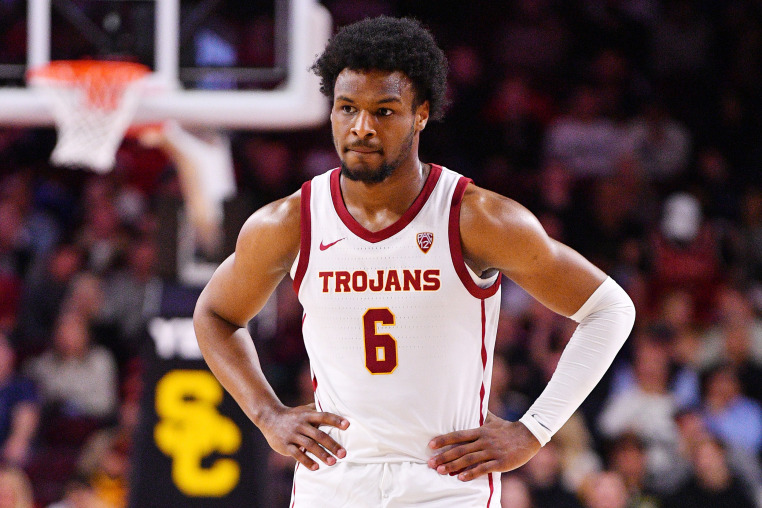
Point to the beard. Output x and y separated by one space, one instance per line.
378 175
367 175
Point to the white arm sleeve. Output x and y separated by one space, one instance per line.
605 321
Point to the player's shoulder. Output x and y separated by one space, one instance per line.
481 206
498 232
275 227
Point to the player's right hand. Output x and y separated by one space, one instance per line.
293 431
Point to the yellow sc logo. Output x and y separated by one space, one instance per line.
191 428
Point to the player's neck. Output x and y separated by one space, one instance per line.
376 206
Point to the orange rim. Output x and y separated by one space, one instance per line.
103 81
94 71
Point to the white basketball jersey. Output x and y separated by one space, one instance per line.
400 338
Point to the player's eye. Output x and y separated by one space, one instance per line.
348 109
384 112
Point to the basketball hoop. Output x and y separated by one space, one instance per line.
93 103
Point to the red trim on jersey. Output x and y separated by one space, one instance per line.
306 233
391 230
293 492
314 390
456 249
482 391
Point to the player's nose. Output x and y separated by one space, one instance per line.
362 126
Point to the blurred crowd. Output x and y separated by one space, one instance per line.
627 126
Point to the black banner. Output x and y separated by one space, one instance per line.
194 446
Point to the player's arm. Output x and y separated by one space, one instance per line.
240 287
498 233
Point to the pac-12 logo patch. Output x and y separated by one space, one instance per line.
424 241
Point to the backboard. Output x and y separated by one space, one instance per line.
215 63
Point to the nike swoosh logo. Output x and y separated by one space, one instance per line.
324 247
534 415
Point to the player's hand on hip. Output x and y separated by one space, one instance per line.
293 431
496 446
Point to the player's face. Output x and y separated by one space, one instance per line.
375 129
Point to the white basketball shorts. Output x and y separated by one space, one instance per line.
389 485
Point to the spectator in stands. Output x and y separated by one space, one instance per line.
76 376
693 432
578 458
646 408
44 292
736 339
659 142
109 479
748 243
583 140
79 494
19 409
683 384
685 253
39 229
131 297
605 490
514 493
733 417
15 488
544 480
105 455
15 245
101 235
675 326
84 296
627 456
712 485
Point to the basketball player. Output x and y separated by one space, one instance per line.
397 264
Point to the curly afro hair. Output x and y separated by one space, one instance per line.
388 44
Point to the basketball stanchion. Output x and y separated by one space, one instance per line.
93 103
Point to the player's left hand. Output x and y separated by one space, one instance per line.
496 446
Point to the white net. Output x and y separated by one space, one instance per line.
93 104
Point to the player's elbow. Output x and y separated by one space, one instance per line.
208 322
628 310
625 312
203 320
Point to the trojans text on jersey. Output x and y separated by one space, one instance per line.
383 280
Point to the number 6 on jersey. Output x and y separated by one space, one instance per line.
380 348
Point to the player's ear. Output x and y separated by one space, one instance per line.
421 115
